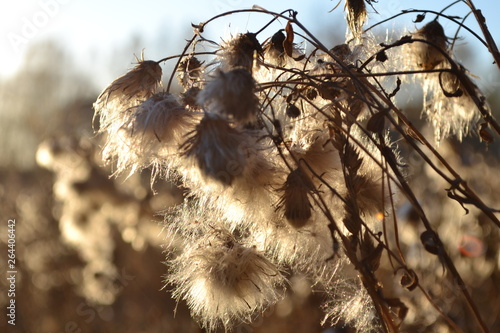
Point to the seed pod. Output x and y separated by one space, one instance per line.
189 70
342 51
311 93
409 280
274 48
430 241
292 111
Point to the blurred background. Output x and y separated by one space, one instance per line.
89 248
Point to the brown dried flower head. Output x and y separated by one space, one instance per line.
295 201
190 70
216 147
139 83
429 56
232 94
274 49
356 16
224 281
239 52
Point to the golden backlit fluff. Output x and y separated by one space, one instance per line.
128 90
449 114
147 134
224 281
349 304
429 55
447 105
231 94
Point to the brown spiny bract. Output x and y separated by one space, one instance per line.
295 201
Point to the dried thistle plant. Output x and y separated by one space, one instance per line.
291 167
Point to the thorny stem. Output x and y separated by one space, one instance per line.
367 278
386 171
407 190
480 105
443 254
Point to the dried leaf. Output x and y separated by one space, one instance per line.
292 111
398 86
352 223
420 18
329 91
381 56
485 134
409 280
369 253
352 159
376 122
288 43
430 241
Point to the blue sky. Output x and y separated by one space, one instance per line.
93 28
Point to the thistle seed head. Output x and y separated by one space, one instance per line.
216 147
428 56
139 83
189 71
146 132
356 16
239 52
232 94
224 281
